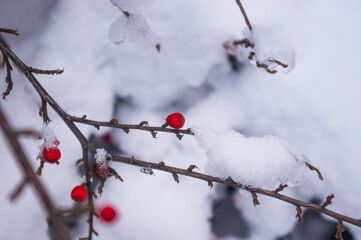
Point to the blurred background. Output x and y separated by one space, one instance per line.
314 107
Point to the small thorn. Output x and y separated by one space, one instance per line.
161 163
191 167
126 130
114 121
83 117
154 134
132 160
143 123
179 136
210 184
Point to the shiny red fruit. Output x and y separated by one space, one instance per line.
108 213
78 194
51 155
175 120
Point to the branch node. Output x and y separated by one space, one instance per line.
143 123
161 163
191 167
83 118
126 130
210 184
255 199
176 178
328 200
179 136
132 160
280 188
101 185
299 214
113 121
154 134
340 230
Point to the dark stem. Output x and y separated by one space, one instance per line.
59 228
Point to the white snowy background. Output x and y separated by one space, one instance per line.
314 107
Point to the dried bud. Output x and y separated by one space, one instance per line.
101 170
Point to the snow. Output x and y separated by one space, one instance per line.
132 29
315 107
48 134
271 43
100 155
261 162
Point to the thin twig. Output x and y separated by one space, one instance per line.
244 15
10 31
230 182
130 126
40 71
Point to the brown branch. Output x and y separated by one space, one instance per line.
299 214
313 168
230 182
126 127
10 31
28 133
340 230
43 112
15 194
40 71
55 221
244 14
8 78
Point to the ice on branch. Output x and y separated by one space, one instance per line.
270 44
133 6
133 29
264 162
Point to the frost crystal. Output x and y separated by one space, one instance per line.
271 44
132 29
263 162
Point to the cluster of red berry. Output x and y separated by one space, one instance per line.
108 212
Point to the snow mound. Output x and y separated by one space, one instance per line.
264 162
133 28
101 155
271 44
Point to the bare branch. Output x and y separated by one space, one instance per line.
55 220
312 168
10 31
40 71
15 194
244 14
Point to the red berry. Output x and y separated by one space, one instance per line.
108 213
175 120
51 155
107 138
78 194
